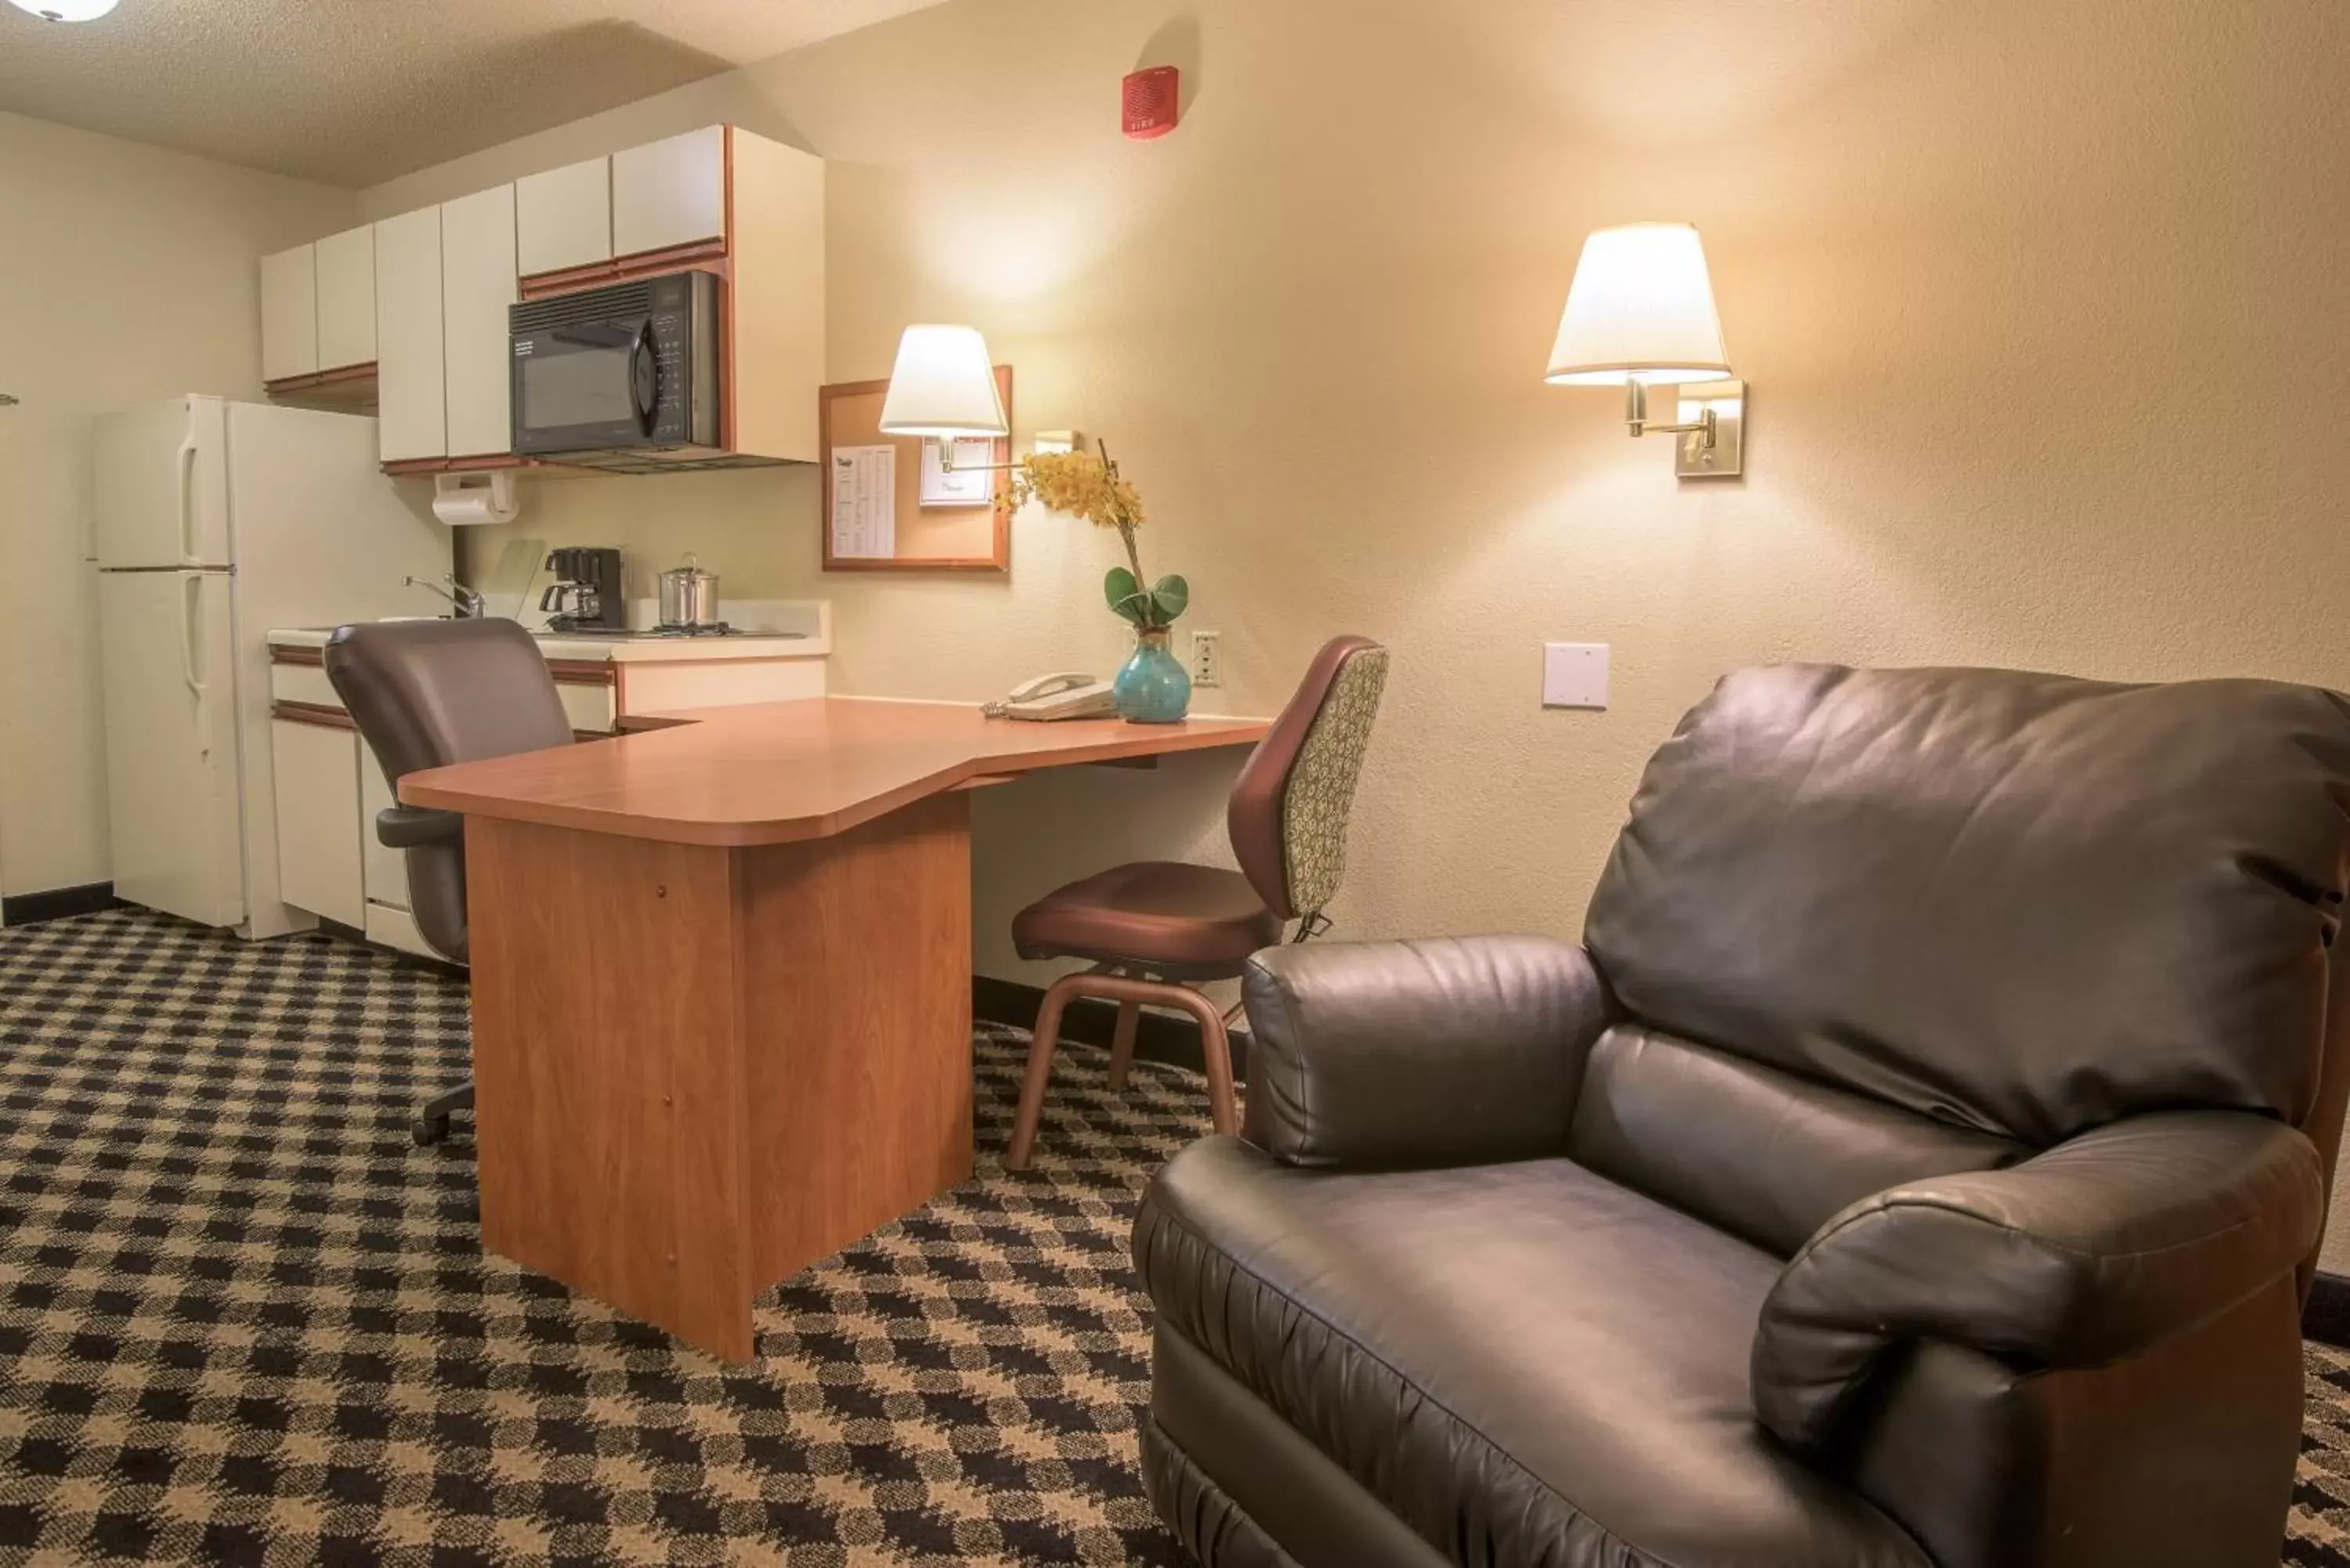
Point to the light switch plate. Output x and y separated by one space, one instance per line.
1574 675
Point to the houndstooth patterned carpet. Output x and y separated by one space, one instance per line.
244 1320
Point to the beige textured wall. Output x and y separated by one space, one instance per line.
2041 306
126 273
2031 298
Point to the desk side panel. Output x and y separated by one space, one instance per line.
608 1059
856 976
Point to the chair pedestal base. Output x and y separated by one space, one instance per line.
1130 993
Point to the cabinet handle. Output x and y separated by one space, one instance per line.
187 505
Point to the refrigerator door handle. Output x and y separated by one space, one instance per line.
192 587
187 504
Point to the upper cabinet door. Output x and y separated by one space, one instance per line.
563 218
412 398
347 299
477 283
289 314
671 193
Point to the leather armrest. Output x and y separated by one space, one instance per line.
407 826
2094 1250
1455 1051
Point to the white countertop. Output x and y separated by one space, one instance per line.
810 637
641 647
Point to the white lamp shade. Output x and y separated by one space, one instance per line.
66 10
1640 310
944 386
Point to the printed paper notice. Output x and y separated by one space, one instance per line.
864 503
971 482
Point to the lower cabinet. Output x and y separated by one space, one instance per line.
330 861
319 864
387 919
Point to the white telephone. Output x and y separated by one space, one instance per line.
1073 694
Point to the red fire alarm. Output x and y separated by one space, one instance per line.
1151 102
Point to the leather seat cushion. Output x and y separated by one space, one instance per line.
1178 918
1524 1362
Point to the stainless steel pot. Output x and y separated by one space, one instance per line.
689 596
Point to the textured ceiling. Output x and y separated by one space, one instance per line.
351 92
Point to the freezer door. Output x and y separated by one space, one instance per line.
171 743
162 486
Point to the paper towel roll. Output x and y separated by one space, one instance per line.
469 500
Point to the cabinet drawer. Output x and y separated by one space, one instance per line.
563 218
590 707
304 683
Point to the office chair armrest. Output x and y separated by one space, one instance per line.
409 827
1453 1051
2095 1250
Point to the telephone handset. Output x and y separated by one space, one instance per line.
1072 694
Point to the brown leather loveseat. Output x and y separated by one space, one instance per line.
1921 1162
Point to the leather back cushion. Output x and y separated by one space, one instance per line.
1292 800
1756 1151
426 693
2024 904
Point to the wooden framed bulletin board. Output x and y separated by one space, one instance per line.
918 538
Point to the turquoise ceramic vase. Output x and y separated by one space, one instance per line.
1153 687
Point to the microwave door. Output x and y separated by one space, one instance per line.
585 387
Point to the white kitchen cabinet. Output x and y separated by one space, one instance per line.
319 867
289 314
386 869
669 192
563 218
411 390
477 283
346 289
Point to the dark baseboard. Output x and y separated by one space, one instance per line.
357 938
57 904
2327 1316
1161 1037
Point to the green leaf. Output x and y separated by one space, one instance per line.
1172 596
1126 596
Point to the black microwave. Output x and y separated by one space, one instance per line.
629 368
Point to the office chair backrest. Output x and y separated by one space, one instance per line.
1290 805
427 693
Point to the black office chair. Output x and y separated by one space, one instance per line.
426 693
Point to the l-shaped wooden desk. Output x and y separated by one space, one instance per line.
722 985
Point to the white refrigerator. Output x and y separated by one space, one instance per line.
217 523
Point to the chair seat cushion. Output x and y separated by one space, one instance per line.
1524 1356
1188 921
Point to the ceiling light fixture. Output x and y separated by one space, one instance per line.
66 10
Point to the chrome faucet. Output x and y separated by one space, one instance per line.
467 603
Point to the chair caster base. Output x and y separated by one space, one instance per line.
432 1123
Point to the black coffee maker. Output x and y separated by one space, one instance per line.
587 592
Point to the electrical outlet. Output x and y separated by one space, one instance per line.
1207 658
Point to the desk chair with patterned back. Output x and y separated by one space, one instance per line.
1155 928
426 693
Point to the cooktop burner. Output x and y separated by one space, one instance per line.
557 628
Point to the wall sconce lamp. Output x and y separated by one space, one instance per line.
1640 314
944 390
